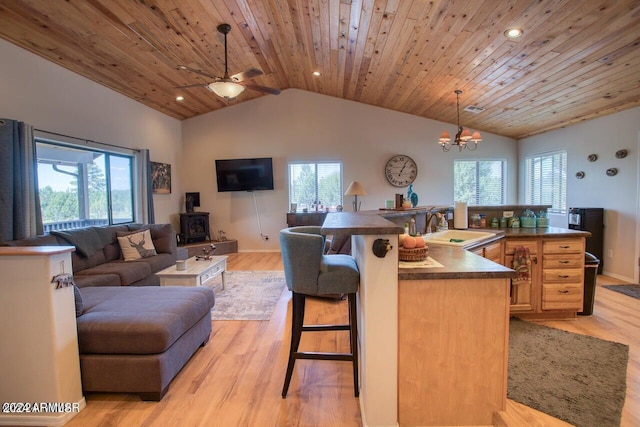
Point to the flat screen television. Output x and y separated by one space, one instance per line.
244 174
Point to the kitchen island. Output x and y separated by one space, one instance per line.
433 341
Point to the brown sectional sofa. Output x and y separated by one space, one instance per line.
133 337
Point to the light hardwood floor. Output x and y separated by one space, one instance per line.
236 379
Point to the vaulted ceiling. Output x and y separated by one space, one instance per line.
577 59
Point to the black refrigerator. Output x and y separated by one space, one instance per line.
591 220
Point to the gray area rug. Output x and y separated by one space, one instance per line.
631 290
576 378
248 295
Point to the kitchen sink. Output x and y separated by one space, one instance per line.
460 238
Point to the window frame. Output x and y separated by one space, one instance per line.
503 163
133 160
315 165
531 198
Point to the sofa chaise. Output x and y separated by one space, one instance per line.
133 335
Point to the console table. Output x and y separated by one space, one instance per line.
194 227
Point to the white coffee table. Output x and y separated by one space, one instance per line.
197 273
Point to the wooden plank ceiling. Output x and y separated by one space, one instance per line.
577 59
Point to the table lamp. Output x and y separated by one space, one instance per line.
355 189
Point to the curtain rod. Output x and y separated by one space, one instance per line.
87 140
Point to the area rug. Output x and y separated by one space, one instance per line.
576 378
631 290
248 295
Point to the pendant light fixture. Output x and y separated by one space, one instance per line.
464 138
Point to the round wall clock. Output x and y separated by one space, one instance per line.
401 170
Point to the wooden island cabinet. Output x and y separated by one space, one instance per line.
556 286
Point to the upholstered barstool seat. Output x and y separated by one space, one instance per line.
309 272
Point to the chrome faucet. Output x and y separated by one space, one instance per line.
427 227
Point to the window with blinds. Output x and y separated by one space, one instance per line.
546 180
312 184
479 182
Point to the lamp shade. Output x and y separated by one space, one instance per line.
355 189
465 135
444 138
226 90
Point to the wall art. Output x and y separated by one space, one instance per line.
161 178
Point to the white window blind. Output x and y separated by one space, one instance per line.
315 183
479 182
546 180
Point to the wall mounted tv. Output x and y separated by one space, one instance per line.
244 174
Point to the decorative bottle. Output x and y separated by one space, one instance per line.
412 227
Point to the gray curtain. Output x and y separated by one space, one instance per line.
150 217
20 215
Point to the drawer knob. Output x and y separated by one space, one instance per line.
563 276
563 291
564 261
565 247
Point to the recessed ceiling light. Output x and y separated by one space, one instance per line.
513 33
179 98
316 73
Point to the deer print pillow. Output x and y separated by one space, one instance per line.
137 245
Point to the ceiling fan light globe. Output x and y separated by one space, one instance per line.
226 90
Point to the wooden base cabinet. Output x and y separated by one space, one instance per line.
524 296
453 339
557 277
563 274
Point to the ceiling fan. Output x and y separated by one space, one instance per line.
228 87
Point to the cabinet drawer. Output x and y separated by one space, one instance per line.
562 296
562 275
210 274
511 245
563 246
563 261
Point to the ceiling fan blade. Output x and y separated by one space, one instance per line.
247 74
193 70
188 86
264 89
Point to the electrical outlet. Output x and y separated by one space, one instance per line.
610 253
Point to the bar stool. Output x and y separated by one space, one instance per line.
309 272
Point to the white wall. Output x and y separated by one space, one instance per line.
54 99
618 195
303 126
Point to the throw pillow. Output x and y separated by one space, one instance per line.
137 245
78 298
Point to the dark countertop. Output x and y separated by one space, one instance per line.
461 264
358 223
543 232
457 263
529 233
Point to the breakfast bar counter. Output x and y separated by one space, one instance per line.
433 341
457 263
453 339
